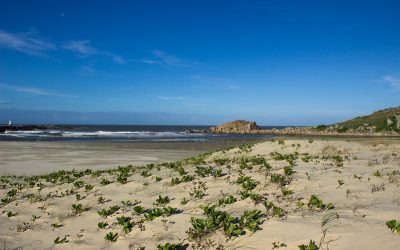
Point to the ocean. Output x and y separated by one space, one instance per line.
122 133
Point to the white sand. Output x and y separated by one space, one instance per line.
357 221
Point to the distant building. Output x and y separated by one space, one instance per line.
9 123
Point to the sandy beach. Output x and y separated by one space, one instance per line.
28 158
271 195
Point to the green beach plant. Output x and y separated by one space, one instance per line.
247 182
162 200
35 217
257 198
281 180
232 229
377 173
153 213
394 225
126 223
102 225
316 202
341 183
227 200
276 211
198 194
311 246
11 214
104 213
251 220
79 184
78 208
184 201
112 237
122 178
286 191
138 209
170 210
58 240
170 246
88 188
101 200
56 225
104 182
288 170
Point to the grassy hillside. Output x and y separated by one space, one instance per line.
377 119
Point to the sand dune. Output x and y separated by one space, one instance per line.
354 188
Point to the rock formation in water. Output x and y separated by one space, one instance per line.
235 127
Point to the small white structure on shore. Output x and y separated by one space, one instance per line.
9 123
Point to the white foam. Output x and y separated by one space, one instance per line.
146 135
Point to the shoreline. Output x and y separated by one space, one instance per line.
42 157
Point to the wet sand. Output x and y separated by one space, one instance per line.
27 158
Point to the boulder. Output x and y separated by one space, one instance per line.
397 118
389 122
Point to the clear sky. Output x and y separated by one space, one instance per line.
186 62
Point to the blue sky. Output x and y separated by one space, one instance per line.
198 62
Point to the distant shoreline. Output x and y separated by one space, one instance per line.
23 127
273 131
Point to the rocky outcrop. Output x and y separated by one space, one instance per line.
389 122
5 128
195 131
235 127
397 118
246 127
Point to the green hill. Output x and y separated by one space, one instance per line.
383 120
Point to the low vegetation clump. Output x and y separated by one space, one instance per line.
281 180
288 170
112 237
247 182
257 198
185 178
311 246
316 203
126 223
138 209
215 220
274 210
78 208
59 240
250 220
208 171
246 148
157 212
153 213
170 246
104 182
290 158
102 225
394 225
227 200
104 213
162 200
